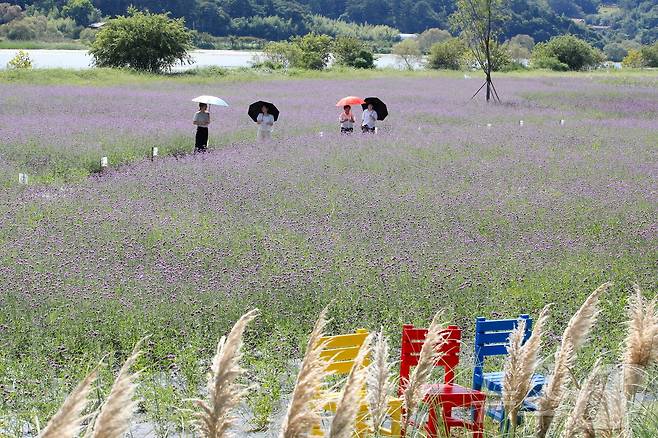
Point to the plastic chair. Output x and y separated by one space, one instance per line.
446 396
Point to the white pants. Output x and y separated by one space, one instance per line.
263 134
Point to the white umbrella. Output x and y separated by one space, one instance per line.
210 100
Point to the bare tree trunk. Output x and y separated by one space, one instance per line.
487 49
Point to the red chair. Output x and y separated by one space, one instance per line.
447 395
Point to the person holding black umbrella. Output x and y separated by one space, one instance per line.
369 119
264 114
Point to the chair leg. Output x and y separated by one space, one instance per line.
430 427
478 420
446 411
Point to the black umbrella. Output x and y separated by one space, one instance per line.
378 105
255 109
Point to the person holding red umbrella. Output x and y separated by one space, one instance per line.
346 117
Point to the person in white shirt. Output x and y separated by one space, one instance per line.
265 123
369 119
346 119
201 121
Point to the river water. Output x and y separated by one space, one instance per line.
80 59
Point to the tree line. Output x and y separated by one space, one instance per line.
281 19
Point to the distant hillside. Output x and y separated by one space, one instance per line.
278 19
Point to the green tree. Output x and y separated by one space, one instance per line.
447 54
82 12
615 52
480 22
408 51
520 46
567 50
314 51
352 52
142 41
9 12
430 37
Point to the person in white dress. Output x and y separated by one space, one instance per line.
265 122
369 119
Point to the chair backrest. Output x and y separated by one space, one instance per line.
412 342
341 351
492 337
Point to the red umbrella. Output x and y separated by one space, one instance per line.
351 100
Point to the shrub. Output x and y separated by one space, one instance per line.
447 54
314 51
142 41
21 61
550 64
351 52
28 28
88 35
650 55
569 50
634 59
409 52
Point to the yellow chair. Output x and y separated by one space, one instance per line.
341 352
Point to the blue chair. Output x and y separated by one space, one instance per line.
492 339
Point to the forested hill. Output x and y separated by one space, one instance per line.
279 19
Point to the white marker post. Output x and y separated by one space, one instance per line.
104 163
154 152
321 134
22 178
562 122
520 122
488 125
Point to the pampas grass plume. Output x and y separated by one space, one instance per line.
68 419
224 393
305 405
379 385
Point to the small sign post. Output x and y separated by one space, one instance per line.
104 163
154 152
22 178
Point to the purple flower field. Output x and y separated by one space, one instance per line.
436 211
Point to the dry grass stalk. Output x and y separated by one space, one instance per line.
574 336
612 419
379 384
580 420
351 399
114 418
224 393
641 344
305 405
68 419
520 366
429 353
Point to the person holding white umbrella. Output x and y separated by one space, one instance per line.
202 120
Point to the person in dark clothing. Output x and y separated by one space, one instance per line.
201 121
